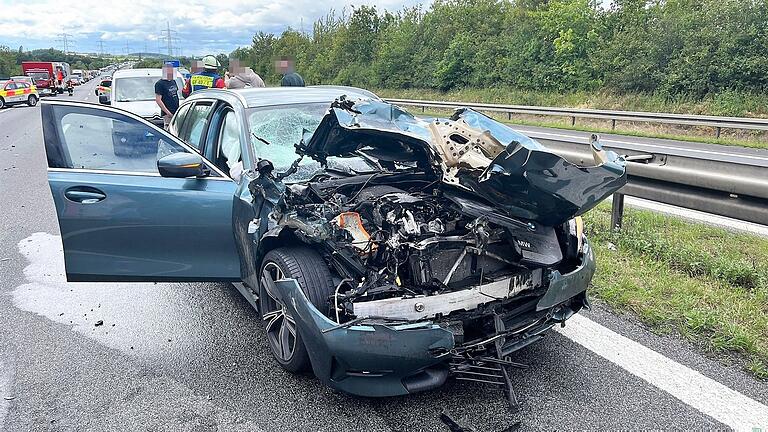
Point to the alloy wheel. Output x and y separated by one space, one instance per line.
280 325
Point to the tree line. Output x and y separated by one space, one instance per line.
10 59
670 47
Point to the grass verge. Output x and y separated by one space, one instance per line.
707 284
729 137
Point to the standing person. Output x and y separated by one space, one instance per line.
292 80
208 78
167 94
241 77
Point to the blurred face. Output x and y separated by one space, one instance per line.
284 65
168 72
197 66
234 67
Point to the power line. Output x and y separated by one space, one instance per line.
101 48
169 37
64 38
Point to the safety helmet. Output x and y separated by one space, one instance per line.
210 62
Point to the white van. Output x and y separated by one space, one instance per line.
134 90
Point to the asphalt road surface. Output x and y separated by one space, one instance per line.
192 356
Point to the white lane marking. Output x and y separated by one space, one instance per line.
698 216
691 387
86 98
532 133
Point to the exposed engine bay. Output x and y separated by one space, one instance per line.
445 234
412 254
465 235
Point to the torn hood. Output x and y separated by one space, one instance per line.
471 152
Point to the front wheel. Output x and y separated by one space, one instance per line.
314 278
2 103
32 100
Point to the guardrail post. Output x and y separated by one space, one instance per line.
573 120
422 108
617 211
613 124
717 132
509 115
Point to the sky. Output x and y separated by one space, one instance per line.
199 27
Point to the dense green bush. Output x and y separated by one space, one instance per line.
668 47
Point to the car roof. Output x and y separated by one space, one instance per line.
144 72
256 97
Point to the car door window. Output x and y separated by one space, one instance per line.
229 153
196 124
178 120
10 86
111 141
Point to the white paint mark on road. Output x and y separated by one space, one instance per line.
145 315
705 394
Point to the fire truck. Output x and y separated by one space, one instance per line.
50 78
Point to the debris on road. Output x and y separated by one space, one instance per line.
98 323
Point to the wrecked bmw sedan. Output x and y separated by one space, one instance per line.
383 251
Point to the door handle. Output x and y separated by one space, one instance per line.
84 195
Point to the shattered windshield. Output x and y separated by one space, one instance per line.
276 130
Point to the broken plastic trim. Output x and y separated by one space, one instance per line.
472 152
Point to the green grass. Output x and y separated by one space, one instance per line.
741 138
707 284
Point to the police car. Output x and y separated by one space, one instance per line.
17 92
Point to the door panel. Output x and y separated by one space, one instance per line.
119 219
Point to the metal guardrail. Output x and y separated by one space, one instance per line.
718 123
713 179
731 185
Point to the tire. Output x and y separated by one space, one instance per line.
2 103
32 100
308 268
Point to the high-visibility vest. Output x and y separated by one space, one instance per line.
203 80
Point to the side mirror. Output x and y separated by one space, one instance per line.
182 165
103 99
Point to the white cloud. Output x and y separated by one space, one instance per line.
200 26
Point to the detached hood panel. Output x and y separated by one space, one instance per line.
475 153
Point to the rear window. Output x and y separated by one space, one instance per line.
106 83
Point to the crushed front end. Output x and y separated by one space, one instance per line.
464 245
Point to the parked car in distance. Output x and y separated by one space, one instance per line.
133 90
382 251
104 87
17 92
